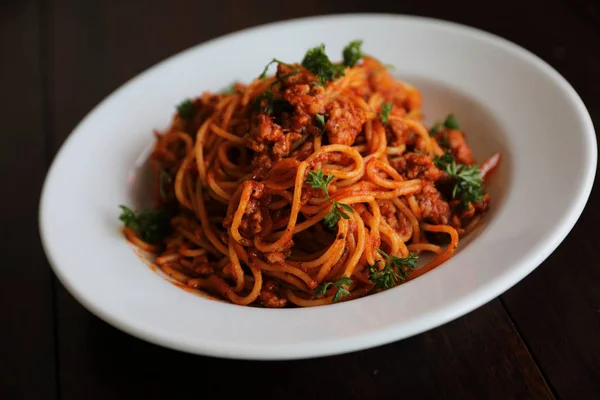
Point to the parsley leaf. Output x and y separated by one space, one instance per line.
165 178
318 180
151 226
340 292
468 184
321 120
263 75
451 122
352 53
186 109
395 270
336 213
316 61
272 105
385 112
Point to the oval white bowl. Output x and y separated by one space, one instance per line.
507 100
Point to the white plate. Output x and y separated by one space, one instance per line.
506 98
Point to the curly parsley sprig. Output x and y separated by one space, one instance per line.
318 180
151 226
468 184
340 292
352 53
317 62
396 270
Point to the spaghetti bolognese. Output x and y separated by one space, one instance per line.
315 185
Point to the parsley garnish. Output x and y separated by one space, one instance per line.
352 53
318 180
151 226
269 96
321 121
468 186
165 177
449 123
385 112
317 62
396 270
186 109
340 292
336 213
263 75
272 106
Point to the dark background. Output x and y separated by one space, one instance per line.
539 340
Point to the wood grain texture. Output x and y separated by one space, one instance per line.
479 356
97 46
27 358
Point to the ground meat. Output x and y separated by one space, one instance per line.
251 223
269 142
263 132
276 257
345 122
416 166
262 164
459 147
307 101
204 269
269 296
433 207
396 220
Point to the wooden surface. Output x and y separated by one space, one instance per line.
539 340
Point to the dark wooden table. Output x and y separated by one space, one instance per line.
539 340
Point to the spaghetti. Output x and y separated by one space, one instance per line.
315 185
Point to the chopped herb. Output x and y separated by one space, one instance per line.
451 122
352 53
385 112
391 67
318 180
263 75
272 105
150 226
317 62
164 179
340 292
395 270
336 213
321 121
468 184
186 109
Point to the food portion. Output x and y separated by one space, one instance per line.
315 185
